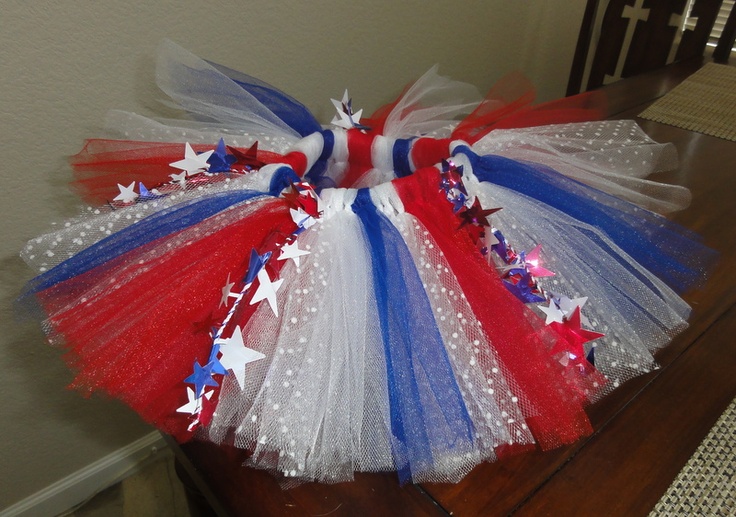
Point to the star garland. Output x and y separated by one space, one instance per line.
520 270
195 169
231 355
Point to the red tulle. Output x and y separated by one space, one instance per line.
116 337
519 337
509 105
426 152
102 164
359 151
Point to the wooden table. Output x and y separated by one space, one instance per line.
644 432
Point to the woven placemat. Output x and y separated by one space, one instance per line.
705 103
707 483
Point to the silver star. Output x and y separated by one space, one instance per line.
127 194
235 355
267 290
193 163
292 251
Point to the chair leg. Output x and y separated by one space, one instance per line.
727 39
197 503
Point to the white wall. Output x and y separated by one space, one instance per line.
63 63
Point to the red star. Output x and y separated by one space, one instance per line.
574 336
303 199
248 158
205 324
476 215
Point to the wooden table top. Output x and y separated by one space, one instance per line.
645 431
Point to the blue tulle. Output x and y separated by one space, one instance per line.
428 414
156 226
669 251
285 107
282 178
401 155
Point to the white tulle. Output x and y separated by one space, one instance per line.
637 319
131 126
430 104
490 395
317 406
97 223
613 156
202 89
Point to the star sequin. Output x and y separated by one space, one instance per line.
531 261
249 158
127 194
255 265
180 178
235 355
553 313
267 291
147 194
217 367
301 198
574 336
206 324
524 288
451 177
220 160
292 251
193 163
194 404
301 218
227 291
201 377
476 214
567 306
345 117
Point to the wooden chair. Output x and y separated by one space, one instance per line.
641 35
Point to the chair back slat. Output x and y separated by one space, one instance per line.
641 35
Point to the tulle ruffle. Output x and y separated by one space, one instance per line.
396 339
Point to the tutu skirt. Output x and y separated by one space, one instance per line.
338 300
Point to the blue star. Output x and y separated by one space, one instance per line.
256 264
147 194
201 377
220 160
523 290
215 362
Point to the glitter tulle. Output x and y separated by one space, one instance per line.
379 322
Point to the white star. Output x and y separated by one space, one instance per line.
194 405
552 312
127 194
344 119
180 178
267 290
301 218
226 293
235 355
193 163
292 251
568 306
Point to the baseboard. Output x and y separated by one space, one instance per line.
83 484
